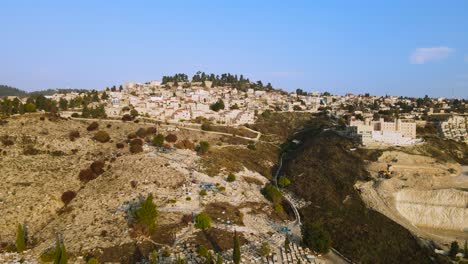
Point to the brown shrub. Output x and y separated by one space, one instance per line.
30 150
151 130
131 136
109 125
136 141
7 141
101 136
74 134
133 184
97 167
120 145
68 196
185 144
171 138
136 121
136 149
141 132
127 117
87 175
93 126
42 118
187 218
136 145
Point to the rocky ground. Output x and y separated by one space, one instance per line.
39 162
424 195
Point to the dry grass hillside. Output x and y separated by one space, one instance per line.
80 180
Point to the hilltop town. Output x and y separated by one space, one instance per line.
193 171
229 100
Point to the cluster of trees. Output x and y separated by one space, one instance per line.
178 77
235 81
316 237
93 112
15 106
114 89
40 102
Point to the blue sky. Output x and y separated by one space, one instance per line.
394 47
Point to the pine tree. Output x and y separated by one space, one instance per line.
147 213
20 239
58 252
286 244
236 254
61 256
64 255
219 259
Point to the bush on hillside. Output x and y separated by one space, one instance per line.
7 141
73 135
97 167
184 144
158 140
93 126
203 147
120 145
101 136
68 196
141 132
231 177
127 117
136 145
272 193
171 138
151 130
87 175
147 213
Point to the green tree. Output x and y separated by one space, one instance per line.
202 251
231 177
180 260
287 244
264 249
465 249
63 104
158 140
147 213
154 257
284 182
315 237
20 239
203 221
93 260
61 256
454 248
219 105
219 259
236 254
134 113
203 147
30 107
272 193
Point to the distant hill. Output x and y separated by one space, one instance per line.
11 91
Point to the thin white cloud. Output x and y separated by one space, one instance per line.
423 55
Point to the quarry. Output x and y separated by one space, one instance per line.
426 196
